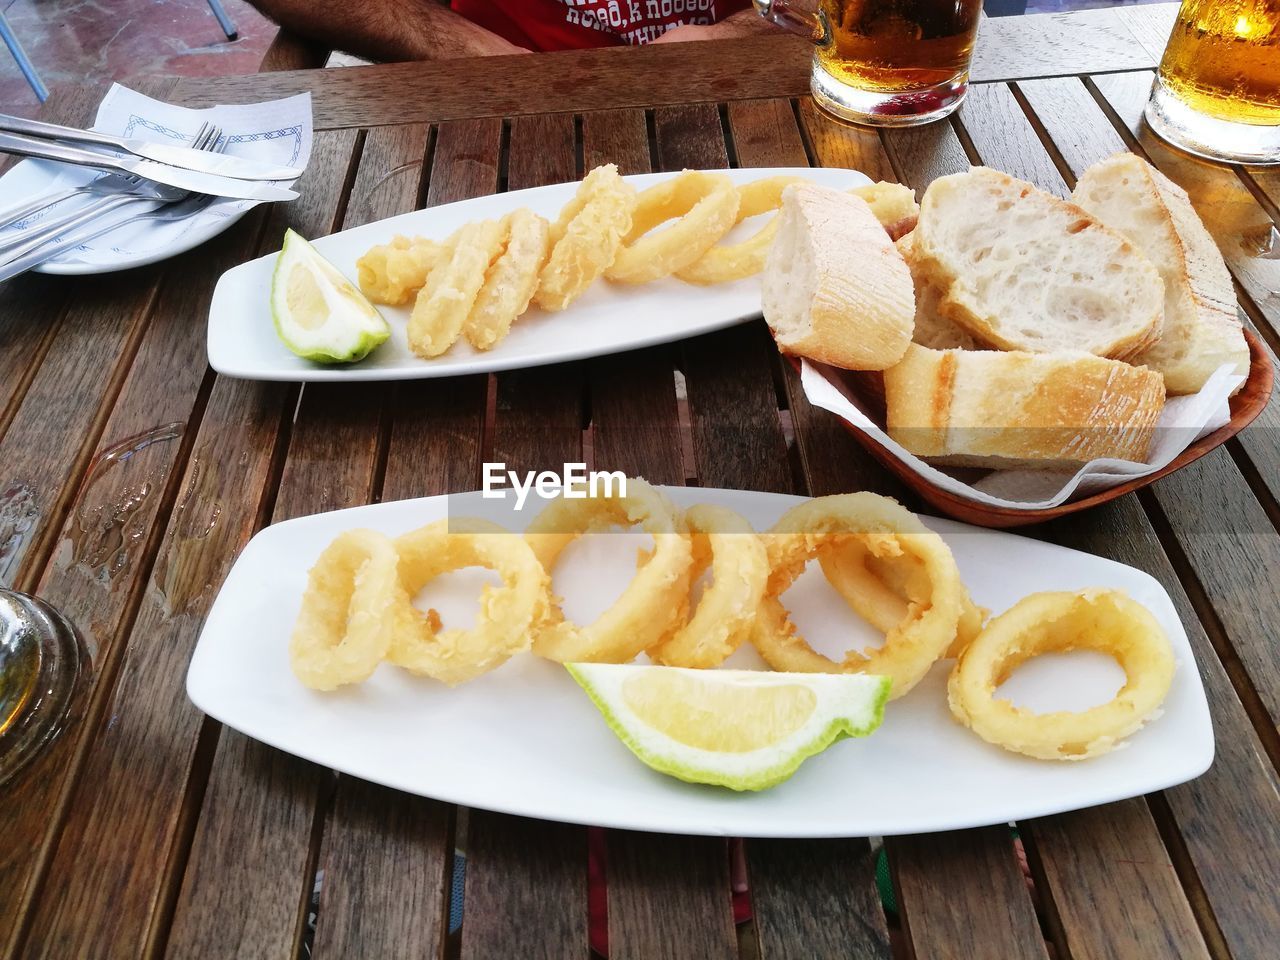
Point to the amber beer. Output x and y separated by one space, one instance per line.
1218 90
899 45
885 62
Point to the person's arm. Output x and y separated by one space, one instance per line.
387 29
744 23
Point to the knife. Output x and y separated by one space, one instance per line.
147 169
185 157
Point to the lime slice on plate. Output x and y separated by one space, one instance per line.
742 729
318 313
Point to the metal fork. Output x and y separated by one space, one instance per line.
113 186
165 214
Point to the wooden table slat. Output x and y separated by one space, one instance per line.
1243 230
254 789
1006 129
756 67
666 896
1226 534
525 889
962 896
1145 912
1229 817
733 407
816 898
108 882
106 544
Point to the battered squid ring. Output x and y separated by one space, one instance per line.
651 603
1108 621
511 281
886 529
394 272
881 590
723 263
509 615
585 237
893 204
726 542
442 306
343 630
704 206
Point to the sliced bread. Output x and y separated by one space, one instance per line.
1202 330
1012 409
1025 270
835 288
932 329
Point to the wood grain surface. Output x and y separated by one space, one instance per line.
128 486
744 68
997 920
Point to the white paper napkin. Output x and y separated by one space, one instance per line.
1184 420
276 131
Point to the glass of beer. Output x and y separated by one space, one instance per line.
1217 94
889 63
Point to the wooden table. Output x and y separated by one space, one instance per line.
130 476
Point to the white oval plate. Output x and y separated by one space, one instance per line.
30 178
525 739
608 318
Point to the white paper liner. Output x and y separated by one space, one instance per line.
1183 421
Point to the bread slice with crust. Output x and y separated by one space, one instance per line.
1202 329
1024 270
835 289
932 329
999 409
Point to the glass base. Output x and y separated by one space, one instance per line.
41 662
907 108
1209 137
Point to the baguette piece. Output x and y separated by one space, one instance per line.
1024 270
1202 329
1006 410
835 288
932 329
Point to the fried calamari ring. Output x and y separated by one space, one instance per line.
653 600
511 281
881 590
509 615
893 204
720 264
344 628
1108 621
704 207
451 289
585 237
393 272
886 529
726 542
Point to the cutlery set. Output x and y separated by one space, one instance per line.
145 181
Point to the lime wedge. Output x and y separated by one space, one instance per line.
318 313
742 729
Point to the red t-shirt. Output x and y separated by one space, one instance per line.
570 24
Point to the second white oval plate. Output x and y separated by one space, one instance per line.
608 318
525 739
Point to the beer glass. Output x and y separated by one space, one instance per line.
889 63
1217 94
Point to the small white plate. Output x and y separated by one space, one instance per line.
608 318
30 178
525 739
